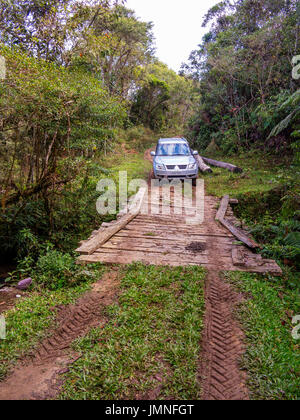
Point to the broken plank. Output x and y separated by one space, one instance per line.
240 235
237 257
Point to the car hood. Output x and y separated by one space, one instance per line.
175 160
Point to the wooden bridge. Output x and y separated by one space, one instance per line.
172 236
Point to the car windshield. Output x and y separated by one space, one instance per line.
173 149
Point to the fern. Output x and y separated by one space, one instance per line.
292 101
293 240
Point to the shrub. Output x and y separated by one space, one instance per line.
56 270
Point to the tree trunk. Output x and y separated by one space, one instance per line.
203 167
223 165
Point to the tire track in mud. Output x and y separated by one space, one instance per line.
37 376
222 343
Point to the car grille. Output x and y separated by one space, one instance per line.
172 167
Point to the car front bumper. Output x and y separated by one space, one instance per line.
183 174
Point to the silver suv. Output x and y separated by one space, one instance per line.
175 159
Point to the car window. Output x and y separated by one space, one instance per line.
175 149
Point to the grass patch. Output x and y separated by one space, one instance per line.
29 322
150 342
261 174
272 358
135 165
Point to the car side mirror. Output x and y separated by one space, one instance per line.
153 154
195 153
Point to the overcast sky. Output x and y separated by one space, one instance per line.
177 26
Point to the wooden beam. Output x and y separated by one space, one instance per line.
102 237
223 208
237 257
238 233
224 165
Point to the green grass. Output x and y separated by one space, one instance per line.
261 174
29 322
152 339
135 165
272 358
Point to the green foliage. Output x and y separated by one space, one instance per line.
114 48
30 320
54 270
137 138
269 199
243 74
151 104
47 140
47 29
279 231
163 99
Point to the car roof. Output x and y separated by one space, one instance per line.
173 140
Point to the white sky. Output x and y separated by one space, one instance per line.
177 26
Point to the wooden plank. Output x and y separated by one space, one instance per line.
168 231
240 235
102 237
237 257
174 230
167 236
223 208
151 241
171 206
125 259
173 227
149 257
166 250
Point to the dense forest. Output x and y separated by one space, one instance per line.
82 83
249 98
76 74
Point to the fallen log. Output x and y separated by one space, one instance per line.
202 166
104 235
224 165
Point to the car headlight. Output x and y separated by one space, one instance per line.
192 166
160 166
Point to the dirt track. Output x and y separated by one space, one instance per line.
37 377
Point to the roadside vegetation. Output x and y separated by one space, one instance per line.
150 346
268 195
35 315
68 116
272 355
